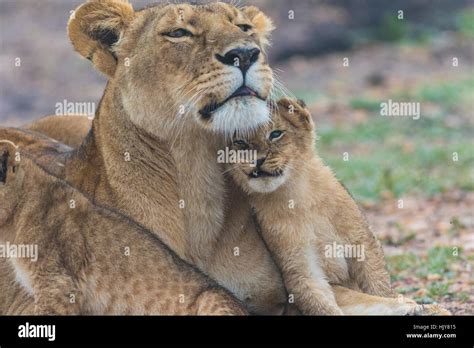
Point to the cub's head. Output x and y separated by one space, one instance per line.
167 62
278 149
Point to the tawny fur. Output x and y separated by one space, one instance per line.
157 165
70 130
92 260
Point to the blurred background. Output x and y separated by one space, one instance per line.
427 164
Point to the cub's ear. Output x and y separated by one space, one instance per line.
295 112
262 24
95 27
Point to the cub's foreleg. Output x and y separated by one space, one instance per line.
306 281
369 270
294 250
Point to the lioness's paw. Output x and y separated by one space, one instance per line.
429 309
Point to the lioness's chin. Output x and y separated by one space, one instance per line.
266 185
240 115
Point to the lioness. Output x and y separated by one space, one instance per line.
304 213
92 260
176 87
181 78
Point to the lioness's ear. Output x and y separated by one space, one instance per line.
262 24
11 179
295 112
8 160
3 165
95 27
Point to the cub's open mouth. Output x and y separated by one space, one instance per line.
262 174
243 91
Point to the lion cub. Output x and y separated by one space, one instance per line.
88 259
311 225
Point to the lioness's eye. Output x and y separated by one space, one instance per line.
178 33
244 27
275 135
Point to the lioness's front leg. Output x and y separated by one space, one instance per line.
357 303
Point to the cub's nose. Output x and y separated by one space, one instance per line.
241 57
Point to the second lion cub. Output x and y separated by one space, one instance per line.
90 259
311 225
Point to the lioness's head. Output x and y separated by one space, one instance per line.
175 61
281 147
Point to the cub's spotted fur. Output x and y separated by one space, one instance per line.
92 260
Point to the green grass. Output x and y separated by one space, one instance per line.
402 262
456 226
400 155
462 296
438 261
366 104
428 169
404 31
436 290
465 23
406 235
448 94
308 96
391 28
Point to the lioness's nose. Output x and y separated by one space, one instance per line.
260 161
243 58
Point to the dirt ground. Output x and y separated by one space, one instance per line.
422 224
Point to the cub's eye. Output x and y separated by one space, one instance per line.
275 135
244 27
178 33
241 143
